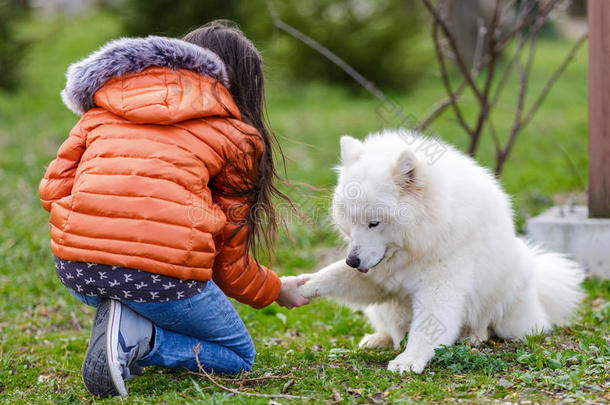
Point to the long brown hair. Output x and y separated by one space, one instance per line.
247 86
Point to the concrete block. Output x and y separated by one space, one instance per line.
569 230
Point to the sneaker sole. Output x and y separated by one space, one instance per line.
112 343
100 366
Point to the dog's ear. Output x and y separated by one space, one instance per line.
350 148
405 169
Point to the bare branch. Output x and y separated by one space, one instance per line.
522 40
524 79
439 107
454 47
549 84
507 71
478 49
478 64
312 43
447 82
527 22
523 122
494 136
484 99
526 27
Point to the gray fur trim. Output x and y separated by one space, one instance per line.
131 55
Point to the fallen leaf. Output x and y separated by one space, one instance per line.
376 398
336 396
287 386
353 391
504 382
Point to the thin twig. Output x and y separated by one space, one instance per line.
312 43
554 77
571 164
446 81
438 109
522 39
494 137
507 71
539 100
454 47
524 79
233 390
242 378
478 64
306 185
484 99
527 22
478 48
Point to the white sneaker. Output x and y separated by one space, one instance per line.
119 338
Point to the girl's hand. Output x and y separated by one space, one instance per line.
289 296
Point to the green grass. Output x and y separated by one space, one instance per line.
44 331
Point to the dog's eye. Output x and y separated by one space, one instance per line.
373 224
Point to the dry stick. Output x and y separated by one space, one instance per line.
233 390
247 380
541 97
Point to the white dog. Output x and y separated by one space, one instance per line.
433 251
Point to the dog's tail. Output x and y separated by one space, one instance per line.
557 281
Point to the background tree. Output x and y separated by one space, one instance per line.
530 17
380 38
512 24
11 47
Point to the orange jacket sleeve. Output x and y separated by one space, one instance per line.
59 177
235 271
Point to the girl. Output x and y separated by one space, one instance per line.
157 196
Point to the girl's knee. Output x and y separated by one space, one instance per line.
249 356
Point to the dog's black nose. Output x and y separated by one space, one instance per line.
353 261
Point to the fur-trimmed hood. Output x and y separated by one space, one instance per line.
132 55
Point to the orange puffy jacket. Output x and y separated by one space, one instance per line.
139 181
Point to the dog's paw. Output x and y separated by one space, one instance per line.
404 363
475 338
309 290
376 341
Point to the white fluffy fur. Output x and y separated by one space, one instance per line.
444 261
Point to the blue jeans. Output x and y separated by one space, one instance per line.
207 319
